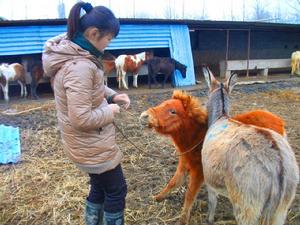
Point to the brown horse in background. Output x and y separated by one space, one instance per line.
185 121
108 62
37 73
164 65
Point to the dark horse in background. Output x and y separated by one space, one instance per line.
37 73
164 65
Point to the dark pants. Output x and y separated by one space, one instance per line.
109 188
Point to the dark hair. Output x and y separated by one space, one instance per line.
99 16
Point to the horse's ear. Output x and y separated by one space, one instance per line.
186 102
183 97
208 75
231 82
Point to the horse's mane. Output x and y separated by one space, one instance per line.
192 105
178 64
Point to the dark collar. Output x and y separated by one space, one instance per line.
80 40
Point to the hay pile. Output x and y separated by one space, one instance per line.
44 188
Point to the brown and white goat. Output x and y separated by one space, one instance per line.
130 63
12 72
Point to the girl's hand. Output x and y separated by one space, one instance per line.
122 99
114 108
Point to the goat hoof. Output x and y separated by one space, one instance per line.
209 222
181 223
158 198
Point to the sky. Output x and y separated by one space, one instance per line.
187 9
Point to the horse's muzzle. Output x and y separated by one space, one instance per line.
144 119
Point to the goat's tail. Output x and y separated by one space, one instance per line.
283 189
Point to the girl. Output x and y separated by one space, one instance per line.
86 108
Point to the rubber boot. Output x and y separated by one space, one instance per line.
114 218
93 213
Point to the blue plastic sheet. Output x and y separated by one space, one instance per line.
10 147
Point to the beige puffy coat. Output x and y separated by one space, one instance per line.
85 121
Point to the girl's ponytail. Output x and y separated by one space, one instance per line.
99 16
74 20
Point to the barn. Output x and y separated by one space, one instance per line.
22 38
149 159
242 46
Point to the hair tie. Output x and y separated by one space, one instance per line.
87 7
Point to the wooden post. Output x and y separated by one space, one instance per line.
226 56
248 52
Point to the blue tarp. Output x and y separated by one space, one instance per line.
10 147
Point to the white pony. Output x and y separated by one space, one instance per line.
12 72
129 63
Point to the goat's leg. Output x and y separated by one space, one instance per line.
149 80
212 204
245 216
149 76
22 88
195 181
33 87
135 78
176 181
155 80
118 77
123 73
5 92
165 80
247 208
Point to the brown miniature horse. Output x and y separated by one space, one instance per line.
186 122
108 62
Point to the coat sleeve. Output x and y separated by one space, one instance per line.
109 92
79 86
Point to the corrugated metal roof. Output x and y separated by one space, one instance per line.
142 36
22 40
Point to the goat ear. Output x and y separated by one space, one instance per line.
231 82
208 75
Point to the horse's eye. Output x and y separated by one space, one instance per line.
172 111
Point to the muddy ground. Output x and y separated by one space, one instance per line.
45 188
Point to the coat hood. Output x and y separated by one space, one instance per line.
58 50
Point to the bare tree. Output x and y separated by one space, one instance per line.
232 16
244 10
294 6
278 13
168 10
260 12
203 14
